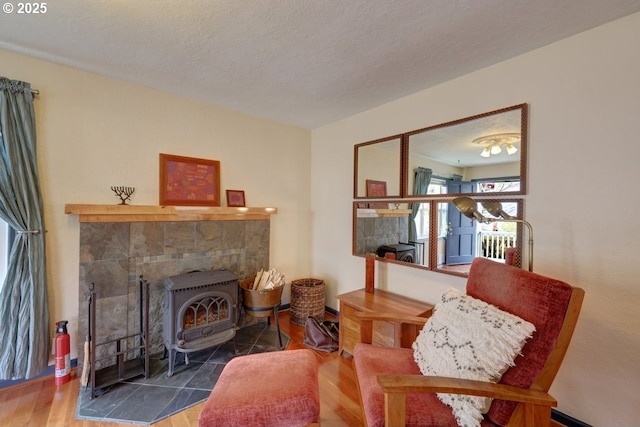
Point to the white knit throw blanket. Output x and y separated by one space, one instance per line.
468 338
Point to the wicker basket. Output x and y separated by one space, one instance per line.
307 299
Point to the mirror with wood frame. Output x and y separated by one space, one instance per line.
378 168
470 154
403 186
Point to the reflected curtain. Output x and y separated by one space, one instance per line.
24 310
421 179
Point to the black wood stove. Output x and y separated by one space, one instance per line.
200 311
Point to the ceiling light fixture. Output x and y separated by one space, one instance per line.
493 143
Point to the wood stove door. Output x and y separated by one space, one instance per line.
204 315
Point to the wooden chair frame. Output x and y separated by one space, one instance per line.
534 403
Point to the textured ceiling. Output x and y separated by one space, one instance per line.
302 62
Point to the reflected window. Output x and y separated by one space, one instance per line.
498 186
496 237
443 225
436 186
422 221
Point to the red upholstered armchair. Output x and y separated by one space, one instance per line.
394 392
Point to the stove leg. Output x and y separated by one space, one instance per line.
172 360
275 315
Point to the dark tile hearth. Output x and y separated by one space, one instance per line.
147 400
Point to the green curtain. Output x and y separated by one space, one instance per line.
25 340
421 179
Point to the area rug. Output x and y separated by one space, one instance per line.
148 400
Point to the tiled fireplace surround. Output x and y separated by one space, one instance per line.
114 254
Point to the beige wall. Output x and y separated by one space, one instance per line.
95 132
583 95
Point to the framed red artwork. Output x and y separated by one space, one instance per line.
188 181
377 189
235 199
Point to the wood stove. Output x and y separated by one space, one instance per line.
200 311
402 251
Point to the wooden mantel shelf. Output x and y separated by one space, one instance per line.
134 213
383 213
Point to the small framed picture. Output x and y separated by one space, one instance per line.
235 199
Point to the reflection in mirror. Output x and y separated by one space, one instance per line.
378 161
469 208
471 155
445 240
461 239
382 231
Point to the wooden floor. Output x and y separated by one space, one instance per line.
40 403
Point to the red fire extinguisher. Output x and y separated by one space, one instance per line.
63 353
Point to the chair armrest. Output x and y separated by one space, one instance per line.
408 326
537 403
433 384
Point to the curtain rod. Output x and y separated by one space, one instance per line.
35 92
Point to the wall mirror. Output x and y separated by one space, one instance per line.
471 154
378 161
444 240
403 186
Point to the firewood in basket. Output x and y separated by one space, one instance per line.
263 281
256 281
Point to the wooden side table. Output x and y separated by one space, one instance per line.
384 333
